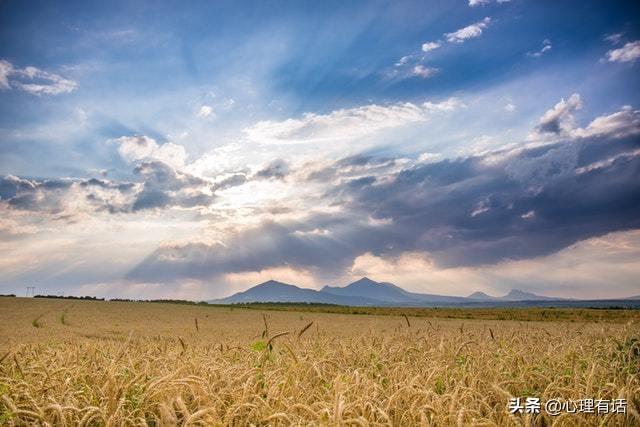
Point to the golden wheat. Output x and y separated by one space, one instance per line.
145 364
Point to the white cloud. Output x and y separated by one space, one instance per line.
424 72
528 215
602 164
450 104
33 80
509 108
560 122
429 46
630 52
470 32
5 69
623 123
140 147
346 123
546 46
205 111
429 157
474 3
614 38
559 119
403 60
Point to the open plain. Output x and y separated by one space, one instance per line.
123 363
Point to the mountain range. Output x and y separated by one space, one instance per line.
367 292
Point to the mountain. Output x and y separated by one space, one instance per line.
273 291
513 295
367 292
363 292
518 295
389 294
481 296
367 288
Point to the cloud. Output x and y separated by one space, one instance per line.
229 182
478 210
473 3
342 124
510 107
546 46
614 38
630 52
424 72
161 187
33 80
429 46
469 32
448 105
205 111
165 186
277 169
560 122
600 267
357 166
140 147
559 119
62 197
5 70
619 124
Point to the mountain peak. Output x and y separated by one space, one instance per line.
387 293
271 283
364 281
520 295
481 296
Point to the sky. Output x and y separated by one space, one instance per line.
194 149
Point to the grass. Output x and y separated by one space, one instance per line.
146 364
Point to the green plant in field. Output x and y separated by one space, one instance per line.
134 396
461 360
5 415
36 322
258 346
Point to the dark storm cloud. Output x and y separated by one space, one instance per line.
165 186
272 244
475 210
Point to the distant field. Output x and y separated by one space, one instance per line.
521 314
113 363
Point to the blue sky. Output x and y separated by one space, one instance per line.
139 141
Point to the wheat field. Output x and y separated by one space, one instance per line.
117 363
